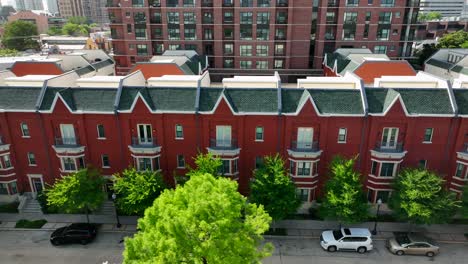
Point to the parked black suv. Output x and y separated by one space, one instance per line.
75 233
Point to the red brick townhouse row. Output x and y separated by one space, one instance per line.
54 129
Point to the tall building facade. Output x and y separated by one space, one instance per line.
29 5
258 36
47 130
69 8
447 8
96 11
52 6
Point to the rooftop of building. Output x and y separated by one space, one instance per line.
455 60
121 93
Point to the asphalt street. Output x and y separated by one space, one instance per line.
34 247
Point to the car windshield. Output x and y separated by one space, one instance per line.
337 234
402 239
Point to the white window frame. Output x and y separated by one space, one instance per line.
62 161
308 193
29 159
68 139
263 134
395 166
387 142
302 165
432 134
155 160
24 127
345 134
182 131
102 161
183 160
148 138
225 138
302 137
103 130
4 159
464 172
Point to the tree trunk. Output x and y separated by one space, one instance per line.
204 260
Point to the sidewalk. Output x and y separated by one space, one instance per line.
295 228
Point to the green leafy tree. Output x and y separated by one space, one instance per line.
464 202
453 40
18 35
344 198
8 52
204 221
274 189
137 190
429 16
419 198
206 163
77 192
54 31
79 20
426 52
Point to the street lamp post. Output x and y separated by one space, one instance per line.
114 196
379 203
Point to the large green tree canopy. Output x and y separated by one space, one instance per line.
273 188
204 221
137 190
18 35
419 197
454 40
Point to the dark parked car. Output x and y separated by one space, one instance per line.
75 233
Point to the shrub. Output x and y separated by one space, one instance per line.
9 208
23 223
46 208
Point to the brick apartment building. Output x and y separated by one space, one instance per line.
54 125
259 36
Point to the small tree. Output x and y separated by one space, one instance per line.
77 192
419 198
19 35
204 221
425 53
273 188
137 190
8 52
453 40
464 202
54 31
344 198
206 163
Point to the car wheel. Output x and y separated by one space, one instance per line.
84 242
430 254
400 253
331 249
361 250
56 242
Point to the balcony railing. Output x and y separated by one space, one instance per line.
66 142
303 146
223 144
389 148
138 142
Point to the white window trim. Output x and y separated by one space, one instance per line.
146 138
74 158
102 161
39 176
312 164
2 160
179 138
395 166
8 189
396 137
150 157
29 160
99 137
177 159
22 130
432 134
263 134
465 169
345 135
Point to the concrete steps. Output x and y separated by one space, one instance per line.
32 207
107 208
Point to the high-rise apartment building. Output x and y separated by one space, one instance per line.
52 6
259 36
69 8
29 5
447 8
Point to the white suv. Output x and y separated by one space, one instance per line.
353 239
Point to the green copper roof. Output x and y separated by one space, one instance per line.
253 100
208 98
127 97
290 99
461 96
172 99
331 101
21 98
379 99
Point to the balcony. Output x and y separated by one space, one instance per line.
224 147
462 154
3 145
207 3
282 3
154 4
389 151
304 149
68 145
144 145
228 3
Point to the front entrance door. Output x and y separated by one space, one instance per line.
36 186
109 189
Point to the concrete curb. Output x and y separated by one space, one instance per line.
376 239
